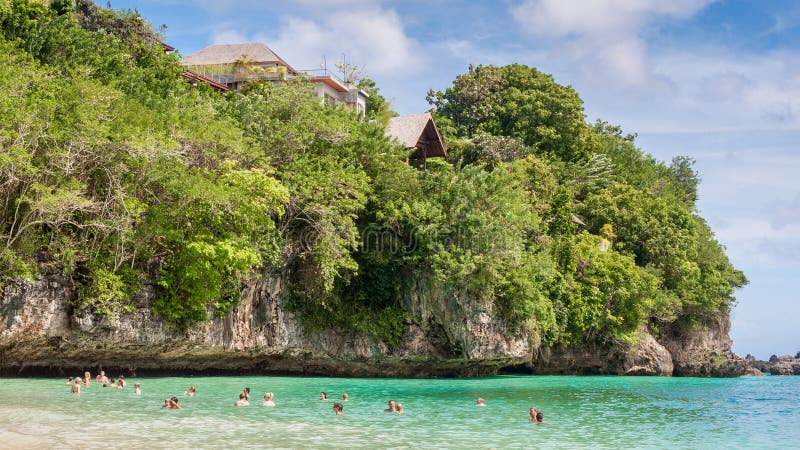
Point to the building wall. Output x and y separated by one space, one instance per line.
362 104
323 91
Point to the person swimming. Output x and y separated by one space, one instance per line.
136 389
69 382
246 393
338 408
539 417
87 379
533 411
480 402
121 382
323 396
398 408
102 378
345 397
268 399
76 388
173 403
191 392
392 407
242 401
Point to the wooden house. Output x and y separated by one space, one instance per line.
419 134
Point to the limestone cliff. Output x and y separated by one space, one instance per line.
777 365
448 335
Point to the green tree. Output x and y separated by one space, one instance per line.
378 106
685 177
517 101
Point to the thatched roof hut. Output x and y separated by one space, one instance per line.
419 132
256 54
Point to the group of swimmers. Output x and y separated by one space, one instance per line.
338 407
86 381
536 416
244 398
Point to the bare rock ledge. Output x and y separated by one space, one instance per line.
448 336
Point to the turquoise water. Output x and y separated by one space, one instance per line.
582 412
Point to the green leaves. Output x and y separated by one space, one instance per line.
115 168
605 295
105 292
112 164
204 271
517 101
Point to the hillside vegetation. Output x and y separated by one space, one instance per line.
116 171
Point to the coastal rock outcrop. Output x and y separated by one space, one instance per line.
646 357
753 372
777 365
704 349
448 335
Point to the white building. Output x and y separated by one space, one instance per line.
235 64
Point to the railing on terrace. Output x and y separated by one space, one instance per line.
230 73
324 73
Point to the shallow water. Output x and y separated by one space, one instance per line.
582 412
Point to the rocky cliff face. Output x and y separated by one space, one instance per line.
777 365
704 350
449 335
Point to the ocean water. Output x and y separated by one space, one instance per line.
580 412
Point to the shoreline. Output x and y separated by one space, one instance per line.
60 357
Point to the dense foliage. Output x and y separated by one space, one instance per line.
117 172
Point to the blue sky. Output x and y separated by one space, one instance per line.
716 80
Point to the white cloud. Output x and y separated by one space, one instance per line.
756 229
723 86
371 38
228 37
787 215
603 38
332 3
744 91
558 18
